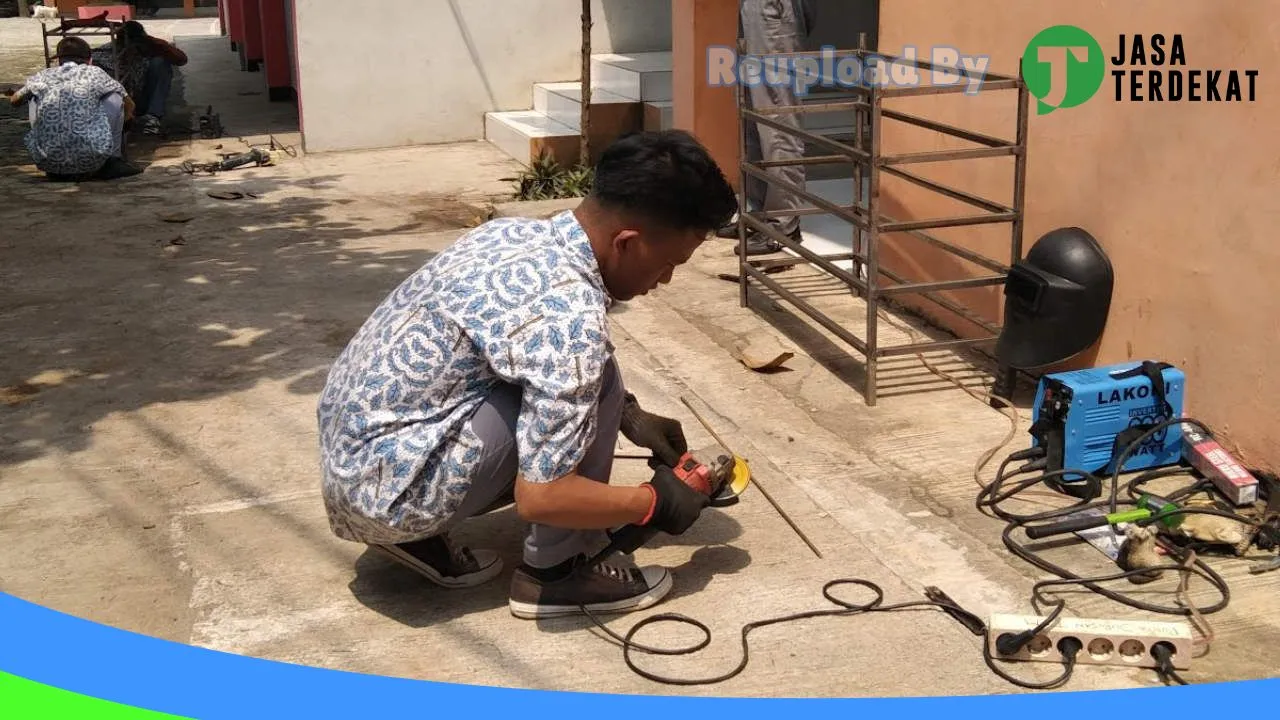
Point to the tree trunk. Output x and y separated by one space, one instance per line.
584 149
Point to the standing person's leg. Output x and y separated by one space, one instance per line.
772 27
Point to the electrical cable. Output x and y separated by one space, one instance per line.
844 608
989 498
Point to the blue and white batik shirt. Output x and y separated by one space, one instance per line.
515 300
71 133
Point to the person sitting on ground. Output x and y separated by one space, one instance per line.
77 116
146 66
488 378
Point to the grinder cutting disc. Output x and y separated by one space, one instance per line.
738 478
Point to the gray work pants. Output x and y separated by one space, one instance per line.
493 486
771 26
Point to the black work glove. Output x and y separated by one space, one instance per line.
677 505
664 437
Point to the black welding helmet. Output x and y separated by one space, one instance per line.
1056 300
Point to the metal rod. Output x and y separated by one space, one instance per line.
946 304
754 480
950 192
740 99
986 86
812 107
809 310
946 129
946 155
920 287
810 160
956 250
1020 174
960 221
821 202
920 347
885 57
835 145
873 251
858 241
805 252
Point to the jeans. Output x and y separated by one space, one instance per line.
493 487
154 97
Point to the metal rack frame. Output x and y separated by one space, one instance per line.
94 27
868 220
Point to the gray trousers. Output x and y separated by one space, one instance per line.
772 26
493 487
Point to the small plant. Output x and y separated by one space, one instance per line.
546 179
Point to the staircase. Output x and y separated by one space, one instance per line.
629 92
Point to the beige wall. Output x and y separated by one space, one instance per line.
409 72
1183 196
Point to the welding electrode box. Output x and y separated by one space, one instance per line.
1078 414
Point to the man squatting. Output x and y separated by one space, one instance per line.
488 378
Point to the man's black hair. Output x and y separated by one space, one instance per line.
667 177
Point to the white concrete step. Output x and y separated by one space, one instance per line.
658 115
642 77
562 101
523 133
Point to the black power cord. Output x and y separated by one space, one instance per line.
1033 462
988 499
843 608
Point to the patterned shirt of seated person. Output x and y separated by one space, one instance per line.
77 114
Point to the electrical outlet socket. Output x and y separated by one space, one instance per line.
1126 643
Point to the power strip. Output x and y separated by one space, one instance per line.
1125 643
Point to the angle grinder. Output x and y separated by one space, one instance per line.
723 480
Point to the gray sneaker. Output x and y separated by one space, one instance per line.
442 562
608 587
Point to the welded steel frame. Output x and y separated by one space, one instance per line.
91 27
868 220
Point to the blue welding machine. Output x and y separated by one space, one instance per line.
1078 415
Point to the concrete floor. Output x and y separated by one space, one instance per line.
157 398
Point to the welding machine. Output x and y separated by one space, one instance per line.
1080 418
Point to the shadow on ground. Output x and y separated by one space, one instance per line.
146 291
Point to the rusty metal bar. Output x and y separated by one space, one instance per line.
985 86
956 250
946 304
811 160
871 294
920 287
870 224
946 155
914 348
835 145
811 108
936 126
960 221
950 192
808 309
820 202
813 257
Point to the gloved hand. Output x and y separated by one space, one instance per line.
676 505
662 436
